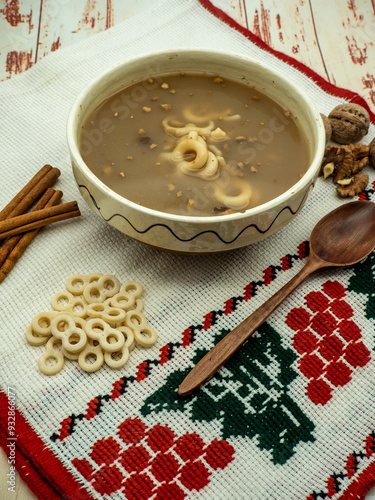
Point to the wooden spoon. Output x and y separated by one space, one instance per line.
342 238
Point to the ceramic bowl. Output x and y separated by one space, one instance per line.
190 234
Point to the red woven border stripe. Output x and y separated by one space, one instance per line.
323 84
34 451
28 473
360 486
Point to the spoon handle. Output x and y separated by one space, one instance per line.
224 349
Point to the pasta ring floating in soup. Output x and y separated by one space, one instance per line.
189 127
237 201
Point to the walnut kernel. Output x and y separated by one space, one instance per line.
357 185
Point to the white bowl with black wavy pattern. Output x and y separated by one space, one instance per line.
190 234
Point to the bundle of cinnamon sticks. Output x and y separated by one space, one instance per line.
18 227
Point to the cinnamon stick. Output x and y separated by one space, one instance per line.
62 215
10 243
45 178
49 199
38 218
24 191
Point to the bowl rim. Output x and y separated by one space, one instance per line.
73 134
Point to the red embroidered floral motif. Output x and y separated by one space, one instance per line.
328 341
145 463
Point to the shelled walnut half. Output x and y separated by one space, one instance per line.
348 188
344 162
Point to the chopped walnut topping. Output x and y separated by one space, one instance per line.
223 211
146 109
179 194
347 160
172 91
116 114
253 169
240 138
240 164
158 163
129 158
155 98
167 107
153 146
141 131
150 80
164 85
122 174
255 97
171 187
217 79
357 184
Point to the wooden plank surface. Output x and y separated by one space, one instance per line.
335 38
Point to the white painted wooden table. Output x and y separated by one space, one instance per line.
335 38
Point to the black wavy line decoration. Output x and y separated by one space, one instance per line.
202 232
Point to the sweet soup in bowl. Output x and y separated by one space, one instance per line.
195 160
195 144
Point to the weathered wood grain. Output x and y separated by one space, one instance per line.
18 36
336 39
64 22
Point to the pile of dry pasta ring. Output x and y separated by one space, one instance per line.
96 320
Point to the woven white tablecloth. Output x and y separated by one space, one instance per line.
264 427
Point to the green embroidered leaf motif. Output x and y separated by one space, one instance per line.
248 397
363 281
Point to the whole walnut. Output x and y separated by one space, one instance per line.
372 152
350 123
327 127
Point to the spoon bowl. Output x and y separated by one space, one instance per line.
342 238
345 235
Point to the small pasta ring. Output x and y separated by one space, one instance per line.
74 341
61 324
62 301
41 322
91 351
76 283
211 170
129 336
122 357
51 353
109 338
236 202
190 144
34 338
145 336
